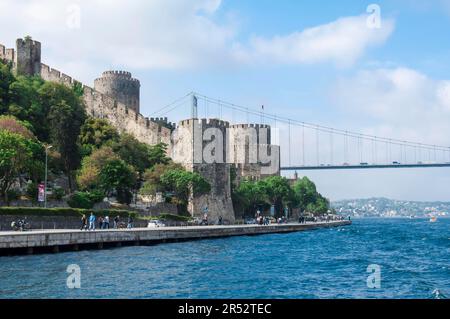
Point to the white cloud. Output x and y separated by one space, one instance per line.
342 42
411 105
171 34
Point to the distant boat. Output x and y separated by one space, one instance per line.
433 219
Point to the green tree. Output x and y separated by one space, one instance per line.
65 118
6 78
279 193
133 152
88 175
120 177
250 196
158 154
95 133
16 158
152 178
309 199
183 184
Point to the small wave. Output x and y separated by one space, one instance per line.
437 294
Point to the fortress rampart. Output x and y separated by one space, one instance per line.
26 59
207 146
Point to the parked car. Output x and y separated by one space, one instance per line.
155 224
250 221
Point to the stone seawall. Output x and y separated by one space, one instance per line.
56 241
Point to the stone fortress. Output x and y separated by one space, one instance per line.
116 98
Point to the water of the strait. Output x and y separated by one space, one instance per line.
414 256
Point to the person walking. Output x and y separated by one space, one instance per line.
92 222
130 222
220 220
116 222
100 222
83 222
106 222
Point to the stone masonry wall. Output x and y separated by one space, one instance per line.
118 114
219 201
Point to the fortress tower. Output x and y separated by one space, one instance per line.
26 58
244 150
193 141
120 86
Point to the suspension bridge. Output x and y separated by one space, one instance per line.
307 146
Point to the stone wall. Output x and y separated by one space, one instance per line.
26 59
102 106
120 86
188 146
244 145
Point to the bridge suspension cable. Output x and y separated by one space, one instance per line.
320 128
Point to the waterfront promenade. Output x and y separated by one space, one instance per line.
53 241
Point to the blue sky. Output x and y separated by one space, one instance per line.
307 60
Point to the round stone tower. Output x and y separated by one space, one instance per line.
120 86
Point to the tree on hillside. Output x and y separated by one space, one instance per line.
158 154
120 177
16 158
184 184
308 197
95 133
66 116
132 152
25 103
88 175
6 78
175 183
152 178
11 124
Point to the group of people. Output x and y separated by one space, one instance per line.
261 220
103 222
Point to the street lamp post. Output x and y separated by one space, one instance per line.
46 173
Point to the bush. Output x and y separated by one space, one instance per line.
96 196
13 194
80 200
85 200
32 191
58 193
175 218
69 212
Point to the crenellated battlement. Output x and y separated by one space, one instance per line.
205 123
244 126
121 86
6 54
115 73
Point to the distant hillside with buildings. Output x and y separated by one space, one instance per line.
383 207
